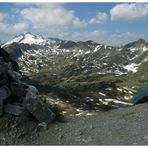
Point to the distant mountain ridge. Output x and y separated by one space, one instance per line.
130 56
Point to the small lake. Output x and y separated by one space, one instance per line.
142 96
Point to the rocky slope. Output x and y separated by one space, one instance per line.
124 126
88 75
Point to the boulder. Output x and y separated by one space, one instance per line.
37 107
1 59
13 65
3 68
4 54
14 76
3 73
3 80
4 93
15 109
18 89
1 107
32 91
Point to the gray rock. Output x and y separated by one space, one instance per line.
18 89
1 107
15 76
3 74
38 109
1 59
3 80
3 68
145 138
4 93
15 109
60 137
43 124
32 92
32 89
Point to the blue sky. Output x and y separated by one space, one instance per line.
106 23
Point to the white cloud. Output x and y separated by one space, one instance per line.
51 18
10 29
133 12
21 26
7 28
3 16
83 36
101 18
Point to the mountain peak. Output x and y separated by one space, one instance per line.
27 38
90 42
29 33
140 40
137 43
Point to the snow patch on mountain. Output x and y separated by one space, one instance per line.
132 67
102 94
31 39
133 49
97 48
145 48
136 56
87 52
117 101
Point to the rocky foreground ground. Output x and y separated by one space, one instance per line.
124 126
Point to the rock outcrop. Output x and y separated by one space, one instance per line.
17 97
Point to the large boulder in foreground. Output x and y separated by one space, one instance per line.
4 55
15 109
1 107
4 94
18 89
37 107
3 73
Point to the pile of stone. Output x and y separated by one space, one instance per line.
18 98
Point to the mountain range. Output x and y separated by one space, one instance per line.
85 73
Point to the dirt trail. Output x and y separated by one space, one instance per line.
124 126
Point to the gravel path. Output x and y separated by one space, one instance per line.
124 126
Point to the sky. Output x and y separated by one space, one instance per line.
106 23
